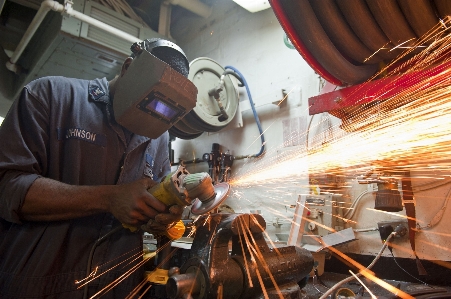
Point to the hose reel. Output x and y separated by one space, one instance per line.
217 100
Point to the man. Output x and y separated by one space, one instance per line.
71 175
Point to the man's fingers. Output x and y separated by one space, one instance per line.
175 214
154 227
167 218
176 210
149 183
162 221
154 203
148 211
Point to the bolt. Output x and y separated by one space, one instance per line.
401 230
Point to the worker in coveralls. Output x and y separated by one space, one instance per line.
71 175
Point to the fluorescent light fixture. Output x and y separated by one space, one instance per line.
253 5
1 120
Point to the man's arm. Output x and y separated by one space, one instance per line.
50 200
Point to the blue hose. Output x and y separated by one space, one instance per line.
257 120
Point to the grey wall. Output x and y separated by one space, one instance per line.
253 43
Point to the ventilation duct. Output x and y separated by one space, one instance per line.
62 45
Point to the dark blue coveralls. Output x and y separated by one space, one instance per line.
63 129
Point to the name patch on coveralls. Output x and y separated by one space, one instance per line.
82 134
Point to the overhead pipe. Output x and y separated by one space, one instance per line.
194 6
164 22
2 3
67 9
45 7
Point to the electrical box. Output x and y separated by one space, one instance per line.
324 214
112 18
316 216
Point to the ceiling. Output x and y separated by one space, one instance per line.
16 16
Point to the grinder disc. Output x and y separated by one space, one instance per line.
221 192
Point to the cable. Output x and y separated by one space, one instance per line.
91 254
228 72
431 185
257 120
352 208
332 289
394 258
308 131
364 230
438 216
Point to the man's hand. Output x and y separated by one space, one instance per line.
163 221
133 205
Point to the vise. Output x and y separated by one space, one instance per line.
230 258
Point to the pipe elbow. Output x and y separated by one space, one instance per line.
52 5
12 67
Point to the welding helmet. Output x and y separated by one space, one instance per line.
154 93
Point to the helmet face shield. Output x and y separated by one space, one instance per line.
151 96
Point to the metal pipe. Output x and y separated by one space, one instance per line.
194 6
2 3
45 7
164 22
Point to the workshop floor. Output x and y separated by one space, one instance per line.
316 290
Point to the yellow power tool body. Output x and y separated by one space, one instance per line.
171 191
183 189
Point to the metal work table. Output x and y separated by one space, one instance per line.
315 290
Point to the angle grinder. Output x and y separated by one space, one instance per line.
183 189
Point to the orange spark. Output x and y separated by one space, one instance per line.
259 255
411 126
361 282
395 214
386 285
